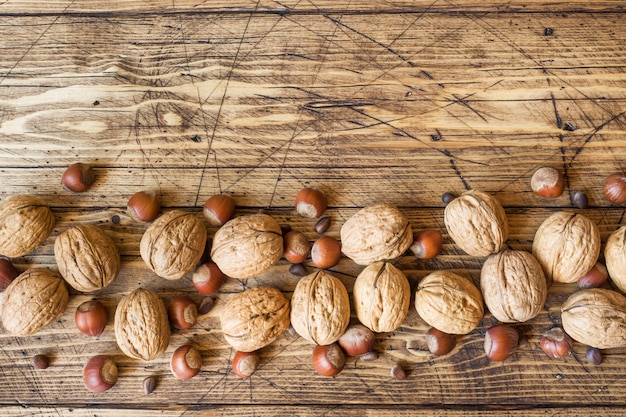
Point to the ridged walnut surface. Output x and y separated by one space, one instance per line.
25 223
381 297
320 308
615 257
86 257
142 329
32 301
254 318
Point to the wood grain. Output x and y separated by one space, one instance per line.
395 101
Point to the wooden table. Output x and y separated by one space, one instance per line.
378 101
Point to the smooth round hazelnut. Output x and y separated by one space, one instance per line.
296 247
325 252
245 363
100 374
328 360
547 182
186 362
357 340
218 209
144 206
78 177
614 188
182 312
595 278
555 343
208 278
426 244
501 341
438 342
7 273
91 318
311 202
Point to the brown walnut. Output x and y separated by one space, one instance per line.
477 223
596 317
25 223
142 330
449 302
376 233
513 286
320 308
247 246
567 246
615 257
87 258
254 318
381 297
173 244
33 300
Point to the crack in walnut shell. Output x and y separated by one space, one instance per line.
567 246
25 223
376 233
87 258
320 308
173 244
596 317
381 297
32 301
477 223
254 318
449 302
513 286
247 246
142 329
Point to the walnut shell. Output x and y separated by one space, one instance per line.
87 258
381 297
247 246
596 317
173 244
320 308
477 223
254 318
376 233
33 300
513 286
567 246
615 257
25 223
449 302
142 330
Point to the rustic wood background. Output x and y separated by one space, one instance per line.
395 101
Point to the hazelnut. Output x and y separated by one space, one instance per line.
7 273
298 270
322 225
397 372
438 342
186 362
182 312
614 188
100 374
447 197
311 202
149 384
245 363
91 318
207 278
501 341
547 182
426 244
40 361
218 209
78 177
579 199
594 356
328 360
555 343
595 278
144 206
357 340
325 252
296 247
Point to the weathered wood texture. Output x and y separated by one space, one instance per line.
382 101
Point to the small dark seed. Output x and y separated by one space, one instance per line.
322 225
115 219
285 228
206 305
40 361
447 198
149 384
298 270
569 127
369 356
594 356
548 31
579 199
397 372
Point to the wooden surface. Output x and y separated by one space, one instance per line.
395 101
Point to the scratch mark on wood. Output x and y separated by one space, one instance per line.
456 170
559 122
595 131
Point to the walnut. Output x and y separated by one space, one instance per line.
381 297
615 257
449 302
25 223
477 223
174 244
320 308
567 246
254 318
247 246
513 286
596 317
87 258
32 301
376 233
142 330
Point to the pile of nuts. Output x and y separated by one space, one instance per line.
513 284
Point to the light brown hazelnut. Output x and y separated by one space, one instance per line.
91 318
614 188
186 362
182 312
218 209
100 373
208 278
296 247
245 363
7 273
311 202
501 341
328 360
426 244
325 252
547 182
78 177
144 206
25 223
